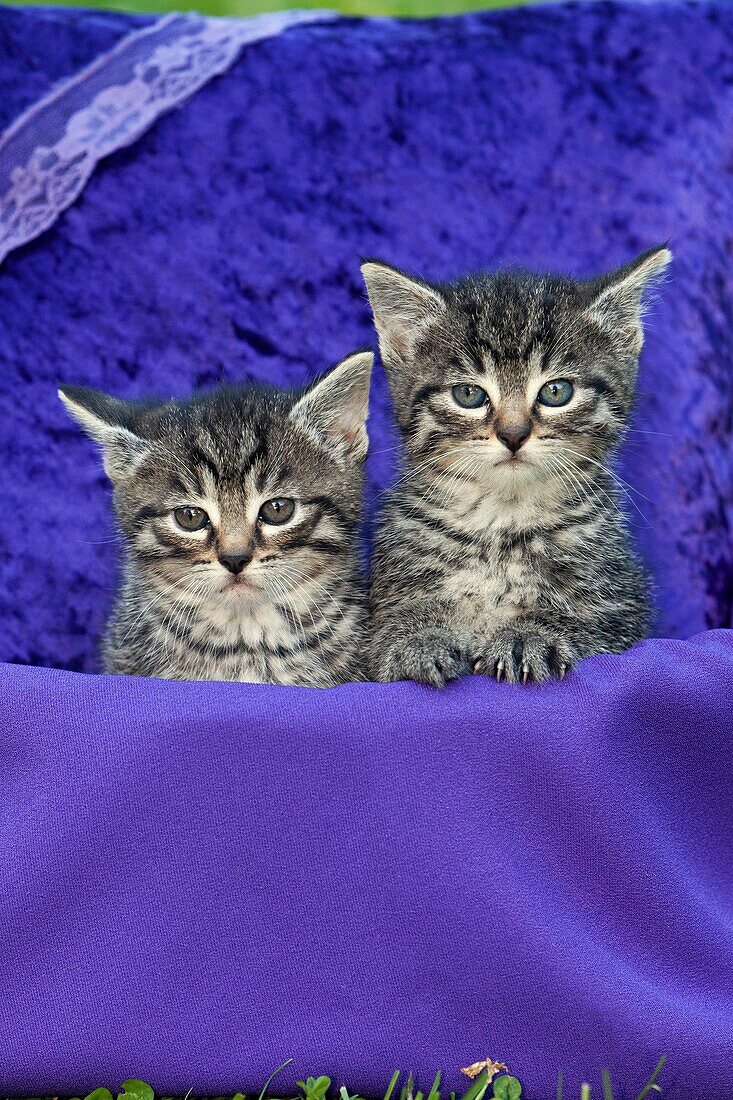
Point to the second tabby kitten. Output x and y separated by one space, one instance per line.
240 510
503 549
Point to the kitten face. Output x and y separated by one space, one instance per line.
511 378
241 494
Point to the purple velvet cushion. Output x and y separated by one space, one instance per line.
225 245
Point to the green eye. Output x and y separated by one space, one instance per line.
555 393
469 396
277 511
191 519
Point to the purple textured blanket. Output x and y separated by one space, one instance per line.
198 881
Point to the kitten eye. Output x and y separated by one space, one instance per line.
556 393
191 519
469 396
277 511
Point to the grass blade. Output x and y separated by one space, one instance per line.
434 1093
272 1076
650 1086
391 1087
559 1085
607 1090
478 1088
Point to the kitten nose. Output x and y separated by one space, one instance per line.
235 562
513 435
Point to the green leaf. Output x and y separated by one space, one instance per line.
100 1094
317 1087
507 1088
239 1096
135 1090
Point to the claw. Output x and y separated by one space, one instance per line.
478 666
526 670
500 669
563 670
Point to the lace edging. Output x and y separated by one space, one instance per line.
49 153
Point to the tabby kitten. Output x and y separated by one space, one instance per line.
504 550
240 510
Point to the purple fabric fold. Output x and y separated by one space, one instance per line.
198 881
201 880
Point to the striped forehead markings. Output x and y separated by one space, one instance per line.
199 456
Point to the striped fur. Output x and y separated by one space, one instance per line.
295 614
513 563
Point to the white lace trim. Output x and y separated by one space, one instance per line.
48 154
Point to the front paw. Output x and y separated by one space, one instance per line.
526 655
431 658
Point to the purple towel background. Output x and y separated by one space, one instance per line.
198 881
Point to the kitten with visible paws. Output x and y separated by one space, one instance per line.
240 510
504 549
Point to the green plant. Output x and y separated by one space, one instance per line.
129 1090
505 1087
315 1088
400 8
585 1093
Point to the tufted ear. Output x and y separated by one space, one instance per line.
403 308
334 410
618 298
107 421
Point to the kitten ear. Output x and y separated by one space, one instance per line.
105 419
403 308
618 297
334 410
